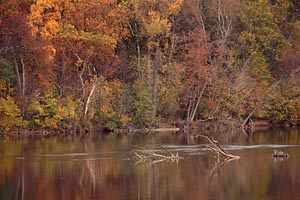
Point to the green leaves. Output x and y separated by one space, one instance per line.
260 31
142 103
6 71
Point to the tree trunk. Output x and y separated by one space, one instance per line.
60 85
18 75
198 102
138 48
155 84
23 77
23 91
89 100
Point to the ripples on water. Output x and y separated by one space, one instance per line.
99 167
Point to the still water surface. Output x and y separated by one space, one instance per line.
99 167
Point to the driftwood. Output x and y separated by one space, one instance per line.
216 147
146 130
164 129
141 155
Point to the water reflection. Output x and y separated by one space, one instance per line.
97 167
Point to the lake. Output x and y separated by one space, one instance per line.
96 166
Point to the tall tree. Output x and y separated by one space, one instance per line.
154 19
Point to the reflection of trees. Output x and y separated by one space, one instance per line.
91 176
19 193
158 181
60 177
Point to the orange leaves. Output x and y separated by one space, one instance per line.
50 29
79 63
106 18
94 29
44 18
196 58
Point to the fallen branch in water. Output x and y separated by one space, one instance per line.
216 147
140 155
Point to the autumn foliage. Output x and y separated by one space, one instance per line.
112 64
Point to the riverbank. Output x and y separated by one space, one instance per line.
178 126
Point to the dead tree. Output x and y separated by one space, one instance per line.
216 147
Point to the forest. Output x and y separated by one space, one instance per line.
147 63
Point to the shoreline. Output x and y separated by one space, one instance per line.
179 126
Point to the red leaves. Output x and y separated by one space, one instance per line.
196 58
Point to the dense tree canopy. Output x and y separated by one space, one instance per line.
116 63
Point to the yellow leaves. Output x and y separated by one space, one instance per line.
175 6
51 112
49 123
293 109
69 32
110 94
10 114
157 25
155 15
125 119
166 8
263 1
66 110
105 40
111 111
8 107
107 111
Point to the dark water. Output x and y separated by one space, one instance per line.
98 167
